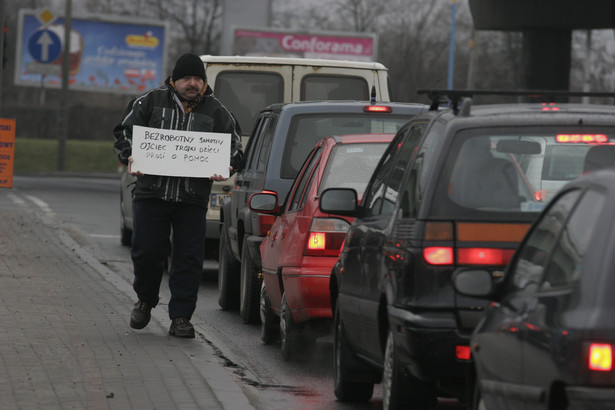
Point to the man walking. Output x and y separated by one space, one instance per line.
165 205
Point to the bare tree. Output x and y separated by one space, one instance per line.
593 56
362 14
414 46
197 21
304 15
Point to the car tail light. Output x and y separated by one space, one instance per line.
438 231
463 352
378 108
600 357
438 255
583 138
264 223
326 237
540 195
484 256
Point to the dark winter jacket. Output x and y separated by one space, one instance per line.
162 108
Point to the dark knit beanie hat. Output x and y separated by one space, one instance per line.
188 65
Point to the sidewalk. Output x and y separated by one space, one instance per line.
65 342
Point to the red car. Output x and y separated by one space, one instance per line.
304 243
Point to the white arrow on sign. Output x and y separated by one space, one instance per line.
45 41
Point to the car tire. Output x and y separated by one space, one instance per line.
345 366
269 321
228 276
289 331
249 287
400 390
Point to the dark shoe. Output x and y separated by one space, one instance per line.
181 327
140 316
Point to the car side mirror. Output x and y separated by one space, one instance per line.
264 202
341 201
473 282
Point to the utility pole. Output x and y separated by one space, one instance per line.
451 47
63 106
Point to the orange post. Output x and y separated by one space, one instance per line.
7 152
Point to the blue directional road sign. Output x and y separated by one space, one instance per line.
45 46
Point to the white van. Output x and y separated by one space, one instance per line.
246 85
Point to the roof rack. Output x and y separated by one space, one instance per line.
439 96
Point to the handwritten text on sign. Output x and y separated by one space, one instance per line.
180 153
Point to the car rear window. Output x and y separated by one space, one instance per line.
246 93
333 87
306 130
520 171
351 166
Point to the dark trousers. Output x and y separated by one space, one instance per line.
153 222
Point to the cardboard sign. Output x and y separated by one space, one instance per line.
7 152
180 153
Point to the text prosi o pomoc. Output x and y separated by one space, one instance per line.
180 152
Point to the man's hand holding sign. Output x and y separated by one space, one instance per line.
180 153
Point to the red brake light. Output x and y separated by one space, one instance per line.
600 357
540 195
484 256
549 107
326 237
377 108
583 138
438 255
316 241
463 352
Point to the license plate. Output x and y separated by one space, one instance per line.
216 200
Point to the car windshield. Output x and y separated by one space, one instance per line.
334 87
306 130
351 166
521 171
245 93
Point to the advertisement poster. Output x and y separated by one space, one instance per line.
7 152
180 153
333 46
106 54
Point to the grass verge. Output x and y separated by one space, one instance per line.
41 155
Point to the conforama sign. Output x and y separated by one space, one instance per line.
336 46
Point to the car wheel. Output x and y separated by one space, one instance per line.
249 287
269 321
345 366
400 390
228 276
289 331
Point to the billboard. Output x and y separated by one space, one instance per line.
327 45
107 54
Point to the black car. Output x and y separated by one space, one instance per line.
453 190
547 340
282 138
